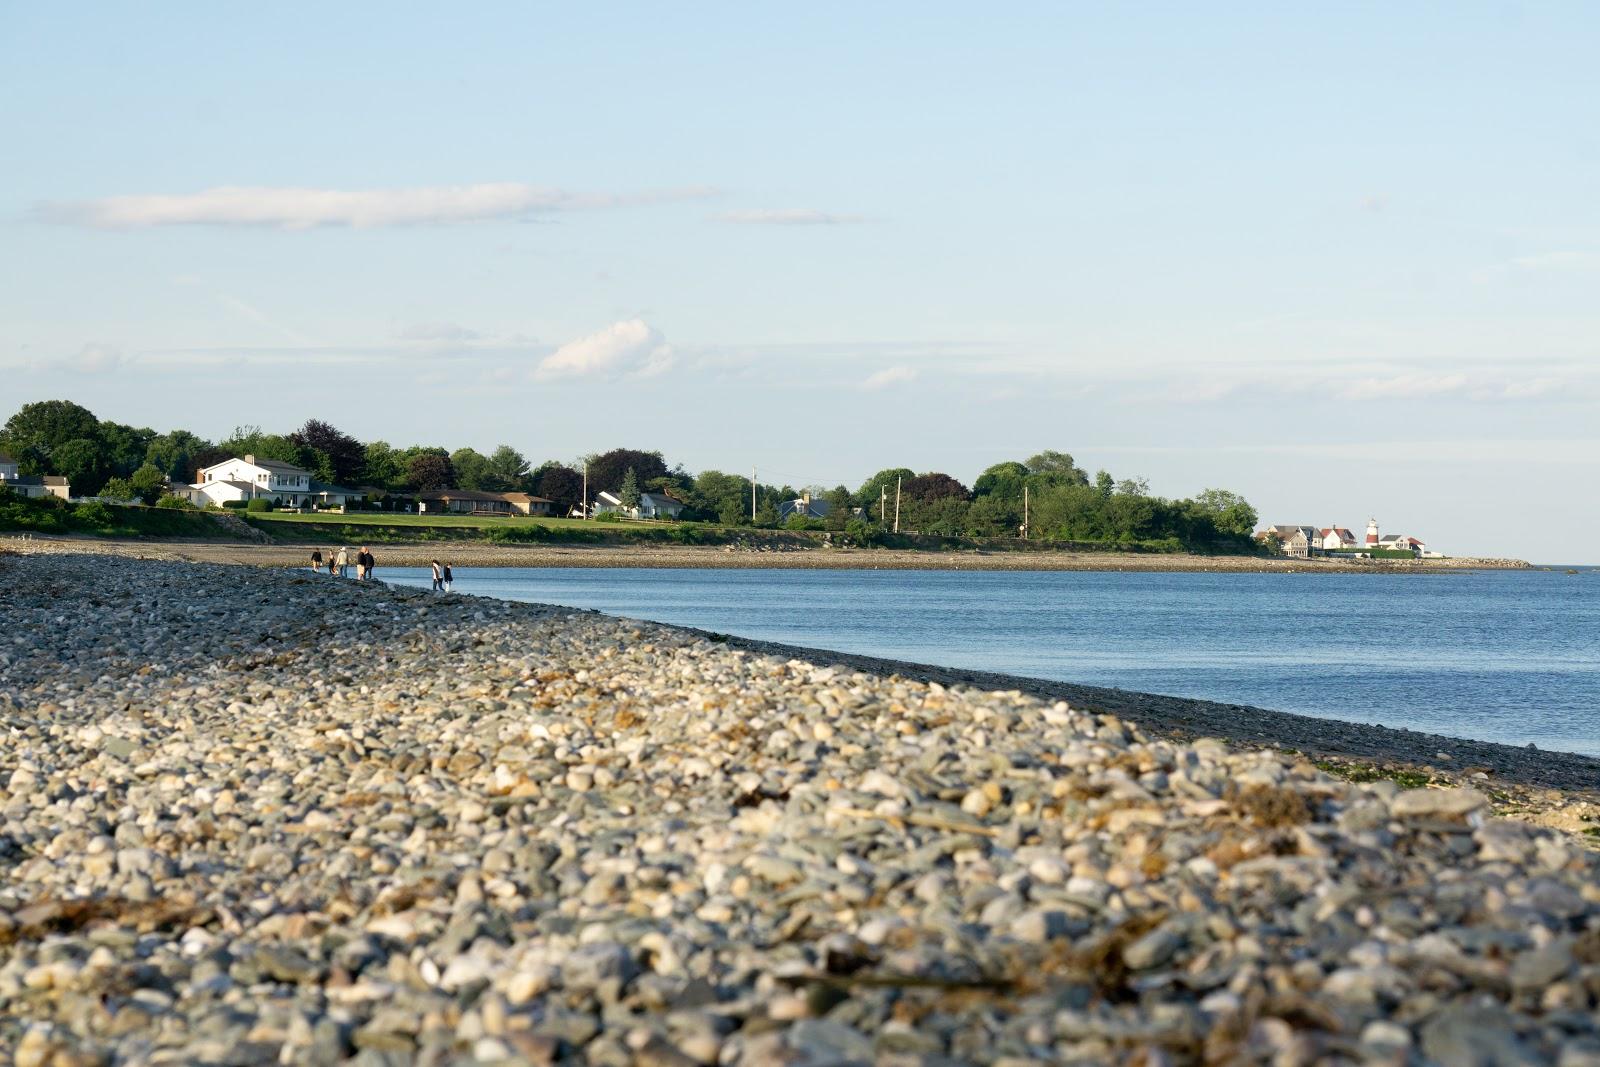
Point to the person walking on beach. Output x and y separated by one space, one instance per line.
333 569
364 564
448 578
344 562
316 561
438 577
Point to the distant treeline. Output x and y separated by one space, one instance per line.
1062 500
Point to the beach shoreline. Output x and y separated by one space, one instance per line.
482 555
253 816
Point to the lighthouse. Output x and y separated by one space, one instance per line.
1372 533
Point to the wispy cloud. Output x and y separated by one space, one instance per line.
96 359
438 331
889 376
292 208
786 216
630 347
1568 259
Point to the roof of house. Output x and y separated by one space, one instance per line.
54 479
480 494
264 464
329 487
657 499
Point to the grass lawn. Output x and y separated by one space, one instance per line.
472 522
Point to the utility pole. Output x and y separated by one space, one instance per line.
584 511
1024 513
883 504
752 496
897 505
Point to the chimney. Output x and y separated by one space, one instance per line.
248 458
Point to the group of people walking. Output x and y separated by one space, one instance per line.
442 578
338 563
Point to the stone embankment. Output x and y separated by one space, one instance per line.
253 817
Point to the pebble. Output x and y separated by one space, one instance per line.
251 817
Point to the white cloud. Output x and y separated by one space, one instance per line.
438 331
97 359
1564 260
301 209
628 347
889 376
787 216
1404 386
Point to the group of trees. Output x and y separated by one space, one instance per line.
1059 498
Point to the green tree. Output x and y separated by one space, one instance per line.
147 483
629 493
34 433
251 441
1104 482
381 466
560 484
173 454
1058 468
1003 480
118 489
881 486
336 456
840 505
1229 512
123 447
505 469
83 464
606 470
723 497
430 469
471 467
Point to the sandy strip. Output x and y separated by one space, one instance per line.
460 555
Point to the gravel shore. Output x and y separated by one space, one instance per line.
470 554
257 817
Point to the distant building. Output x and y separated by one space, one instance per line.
1297 541
651 506
1336 538
481 502
251 479
1402 543
8 468
1372 533
804 507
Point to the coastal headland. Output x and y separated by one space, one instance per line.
252 816
480 554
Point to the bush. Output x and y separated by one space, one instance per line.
93 515
608 516
175 503
258 505
233 505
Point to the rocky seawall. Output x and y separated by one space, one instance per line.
256 817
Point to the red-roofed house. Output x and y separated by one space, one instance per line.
1336 537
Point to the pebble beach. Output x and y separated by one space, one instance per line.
257 816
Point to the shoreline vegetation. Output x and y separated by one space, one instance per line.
751 551
256 816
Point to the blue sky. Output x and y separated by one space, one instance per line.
1345 261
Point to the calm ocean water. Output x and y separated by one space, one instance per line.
1509 656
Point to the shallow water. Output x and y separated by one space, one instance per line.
1508 656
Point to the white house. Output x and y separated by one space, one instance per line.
1335 538
651 506
30 486
1403 543
1296 541
249 479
